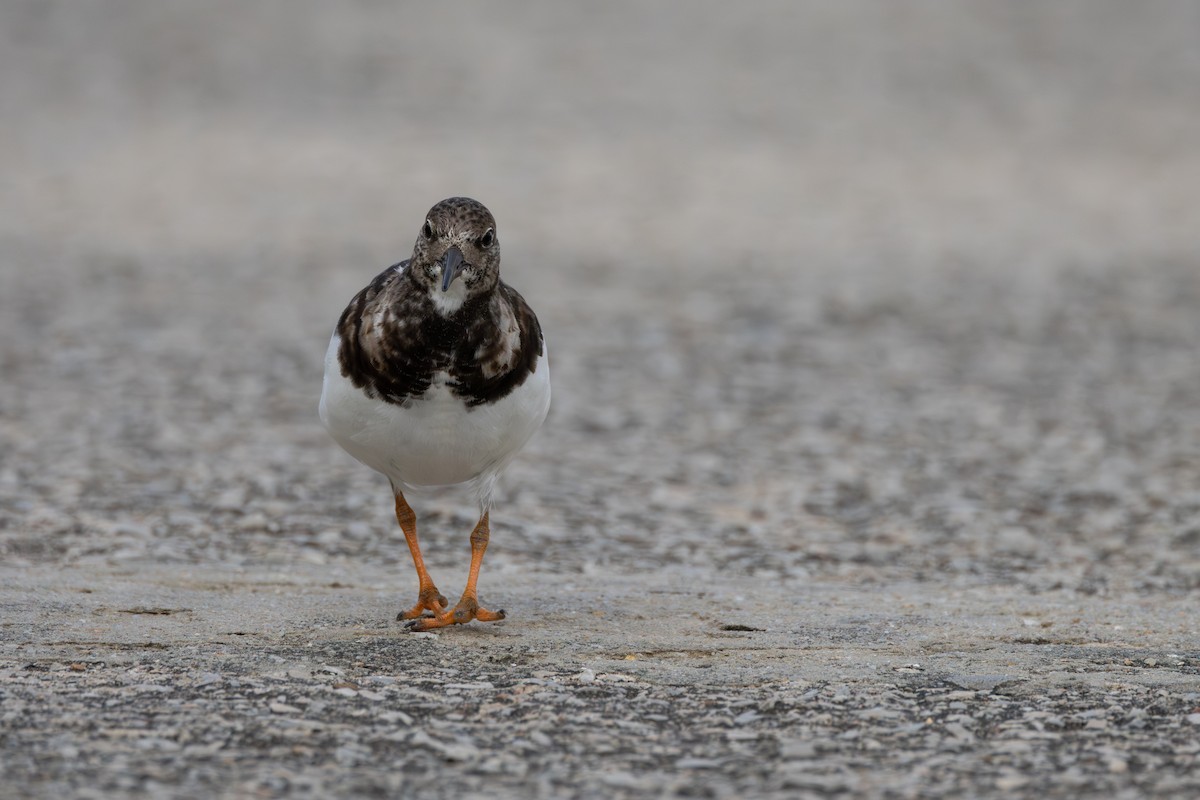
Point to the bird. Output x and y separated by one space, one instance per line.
437 375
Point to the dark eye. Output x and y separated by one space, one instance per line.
427 230
488 238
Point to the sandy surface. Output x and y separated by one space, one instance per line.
874 461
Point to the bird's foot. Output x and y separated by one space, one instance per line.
468 608
429 600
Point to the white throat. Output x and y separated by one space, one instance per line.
451 300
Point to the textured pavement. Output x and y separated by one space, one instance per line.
873 467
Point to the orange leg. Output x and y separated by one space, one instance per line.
468 607
429 598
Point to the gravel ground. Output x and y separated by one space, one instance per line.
874 462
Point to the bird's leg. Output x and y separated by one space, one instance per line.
428 597
468 607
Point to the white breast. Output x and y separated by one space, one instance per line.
436 440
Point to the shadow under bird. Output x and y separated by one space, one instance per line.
436 375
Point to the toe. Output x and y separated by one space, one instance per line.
415 612
430 601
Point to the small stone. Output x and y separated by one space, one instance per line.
877 712
1007 783
350 755
382 680
980 683
396 716
796 749
625 780
207 679
959 732
1150 662
157 743
283 708
1193 719
1017 540
452 751
152 687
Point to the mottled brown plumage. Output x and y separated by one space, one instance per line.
394 341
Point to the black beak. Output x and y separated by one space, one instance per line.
452 267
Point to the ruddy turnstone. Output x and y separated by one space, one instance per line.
436 375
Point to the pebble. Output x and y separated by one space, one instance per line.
623 779
791 749
152 687
452 751
1008 783
381 680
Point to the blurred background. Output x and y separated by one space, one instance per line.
855 289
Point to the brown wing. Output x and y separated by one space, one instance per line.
492 359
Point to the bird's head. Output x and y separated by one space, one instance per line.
457 253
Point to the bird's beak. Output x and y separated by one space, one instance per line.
452 267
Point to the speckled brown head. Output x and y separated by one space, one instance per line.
457 252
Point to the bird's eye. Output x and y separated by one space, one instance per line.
427 230
488 238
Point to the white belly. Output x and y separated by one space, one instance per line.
436 440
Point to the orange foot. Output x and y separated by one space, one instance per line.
431 600
467 609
